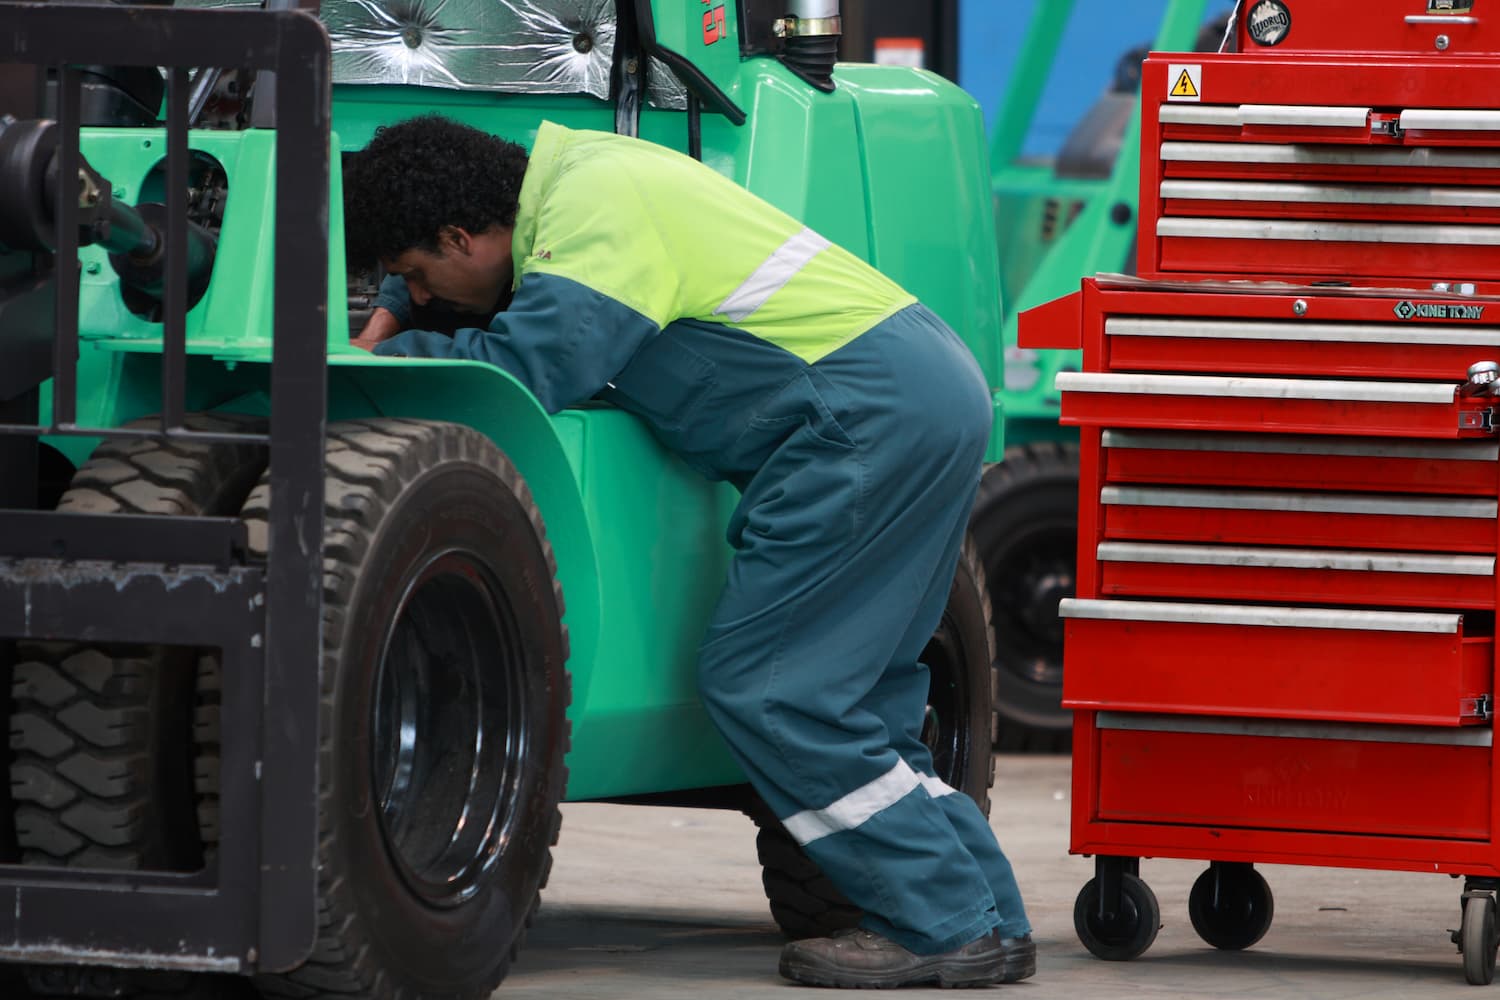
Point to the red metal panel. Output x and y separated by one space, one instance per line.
1176 297
1280 416
1376 26
1258 583
1324 173
1053 325
1195 208
1350 675
1323 472
1448 362
1275 784
1307 257
1299 528
1090 517
1091 835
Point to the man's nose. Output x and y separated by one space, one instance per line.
419 295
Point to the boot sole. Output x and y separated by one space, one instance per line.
945 973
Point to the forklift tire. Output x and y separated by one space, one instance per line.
1025 522
101 771
444 698
958 729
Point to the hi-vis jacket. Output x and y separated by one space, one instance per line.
649 279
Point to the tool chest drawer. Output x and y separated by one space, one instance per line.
1284 346
1263 774
1301 462
1306 520
1276 405
1322 576
1275 661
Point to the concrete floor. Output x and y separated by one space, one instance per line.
666 903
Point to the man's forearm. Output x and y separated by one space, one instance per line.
382 325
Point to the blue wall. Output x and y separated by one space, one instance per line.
1099 33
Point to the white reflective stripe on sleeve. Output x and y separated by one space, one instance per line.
856 807
936 787
772 276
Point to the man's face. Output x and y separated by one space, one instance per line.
468 273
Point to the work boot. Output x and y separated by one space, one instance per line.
861 959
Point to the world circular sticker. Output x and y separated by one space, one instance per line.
1268 22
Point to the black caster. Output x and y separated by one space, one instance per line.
1124 931
1231 906
1477 937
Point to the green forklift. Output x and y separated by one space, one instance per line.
1058 218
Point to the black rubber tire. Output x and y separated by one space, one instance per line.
1478 939
432 539
101 769
1133 929
1025 522
959 730
1242 913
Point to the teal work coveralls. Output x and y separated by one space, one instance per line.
853 422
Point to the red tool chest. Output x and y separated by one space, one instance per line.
1282 646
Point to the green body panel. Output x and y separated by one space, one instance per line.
640 550
1055 230
639 537
707 34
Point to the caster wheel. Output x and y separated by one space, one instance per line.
1123 935
1478 939
1231 906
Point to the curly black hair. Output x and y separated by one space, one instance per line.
420 175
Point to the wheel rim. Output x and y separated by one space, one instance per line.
944 731
447 729
1030 573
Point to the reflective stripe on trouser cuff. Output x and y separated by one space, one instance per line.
772 276
859 805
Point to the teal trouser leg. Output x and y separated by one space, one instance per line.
964 815
846 542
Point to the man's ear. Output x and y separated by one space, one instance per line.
455 238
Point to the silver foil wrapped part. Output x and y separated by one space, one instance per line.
507 46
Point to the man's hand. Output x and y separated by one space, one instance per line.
382 325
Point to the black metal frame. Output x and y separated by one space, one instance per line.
180 581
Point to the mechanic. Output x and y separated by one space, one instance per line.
852 420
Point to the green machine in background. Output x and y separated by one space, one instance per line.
485 567
1057 219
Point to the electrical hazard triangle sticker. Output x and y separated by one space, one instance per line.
1185 83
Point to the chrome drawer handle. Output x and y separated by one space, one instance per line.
1442 19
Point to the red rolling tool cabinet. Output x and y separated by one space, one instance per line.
1282 647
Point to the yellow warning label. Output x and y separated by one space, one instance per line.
1185 82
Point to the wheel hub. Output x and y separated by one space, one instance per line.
943 730
446 729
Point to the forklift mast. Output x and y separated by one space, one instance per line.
176 581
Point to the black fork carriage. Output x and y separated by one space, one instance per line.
105 580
